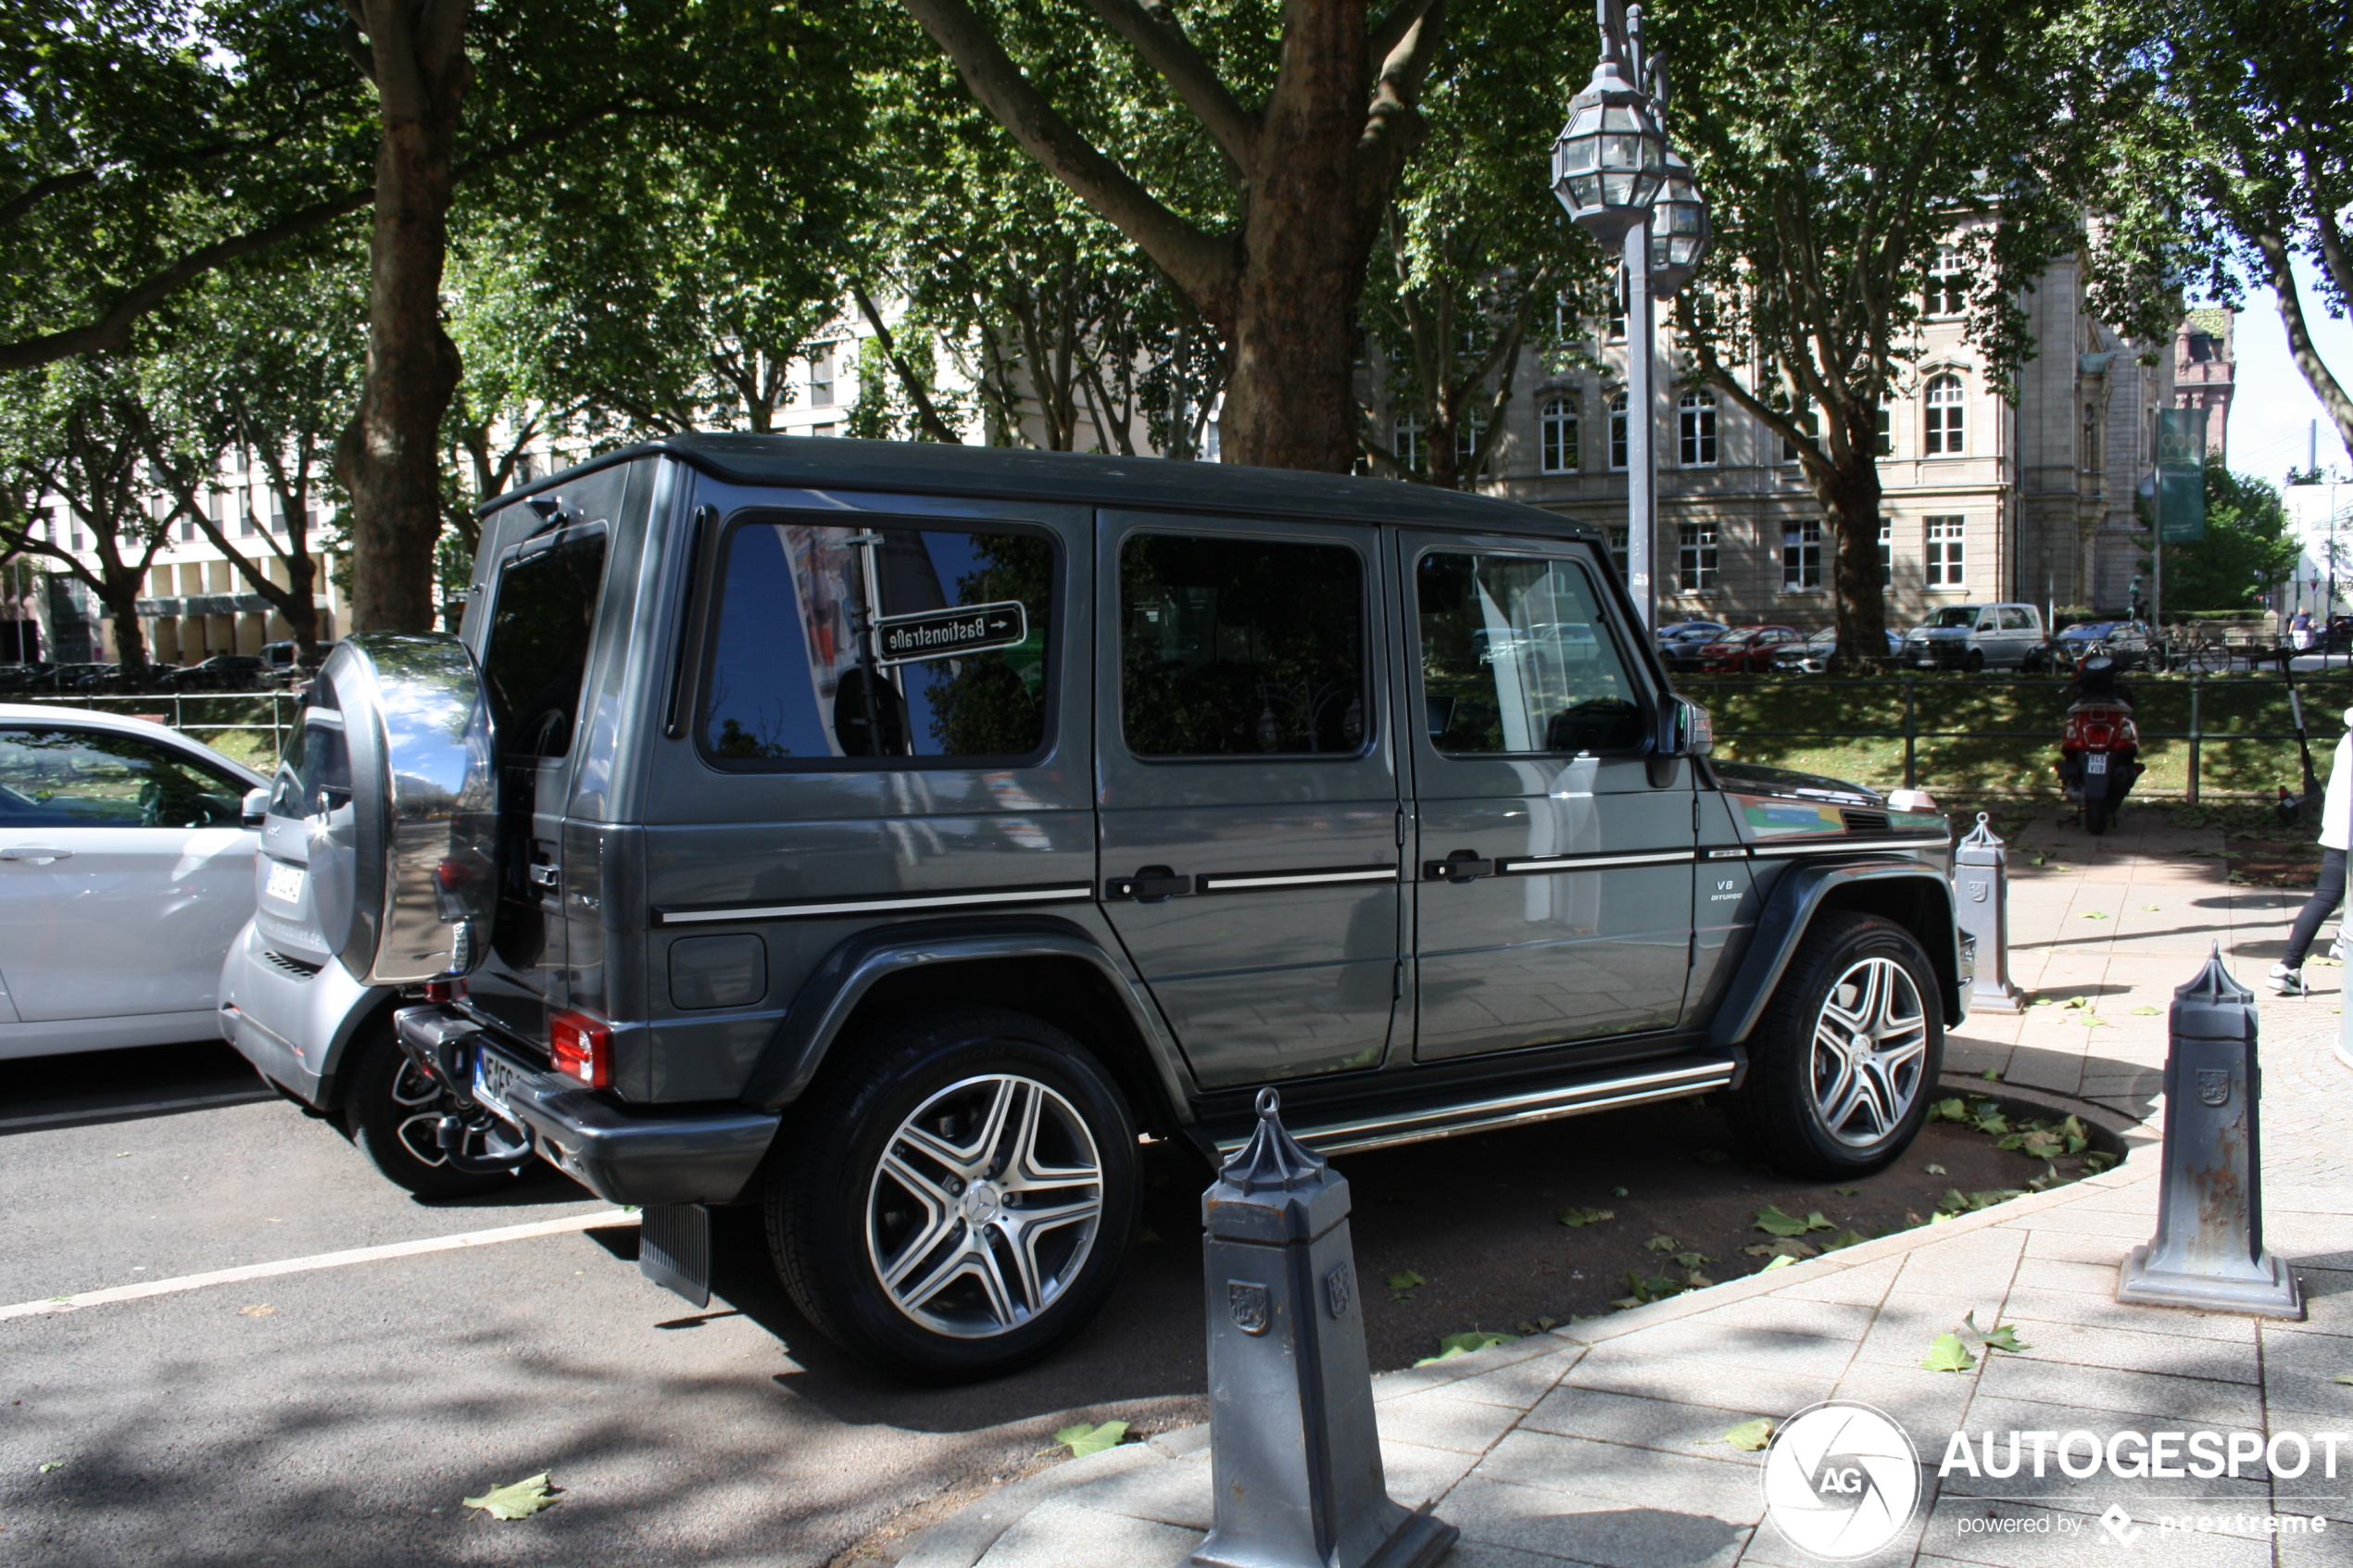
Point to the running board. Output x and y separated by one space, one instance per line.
1691 1077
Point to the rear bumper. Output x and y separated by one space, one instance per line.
291 1023
674 1154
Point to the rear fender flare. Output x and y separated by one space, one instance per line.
829 998
1789 910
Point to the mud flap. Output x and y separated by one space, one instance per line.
674 1248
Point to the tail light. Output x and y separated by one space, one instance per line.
581 1048
445 990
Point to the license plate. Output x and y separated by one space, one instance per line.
2096 762
493 1077
286 882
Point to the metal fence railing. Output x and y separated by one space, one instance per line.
2323 697
195 713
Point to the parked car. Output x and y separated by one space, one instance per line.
282 665
20 677
222 673
1679 643
126 869
1748 651
1812 655
900 893
1992 636
62 678
2129 643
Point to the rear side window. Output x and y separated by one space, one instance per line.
93 779
1240 647
832 645
536 657
1517 658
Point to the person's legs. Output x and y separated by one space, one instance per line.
2327 893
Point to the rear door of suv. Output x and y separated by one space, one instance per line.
1553 891
1248 792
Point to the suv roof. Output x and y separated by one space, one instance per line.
920 467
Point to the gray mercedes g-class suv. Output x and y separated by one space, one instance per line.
896 835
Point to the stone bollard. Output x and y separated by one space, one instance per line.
1294 1453
2209 1251
1981 903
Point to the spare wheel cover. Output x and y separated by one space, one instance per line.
405 879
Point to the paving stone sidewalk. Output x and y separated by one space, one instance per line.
1602 1443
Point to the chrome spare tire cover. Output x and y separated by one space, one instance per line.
405 875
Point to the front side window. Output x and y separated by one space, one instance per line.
1944 436
1696 420
833 643
1945 563
1556 427
1618 431
1517 656
54 778
537 655
1696 557
1801 556
1233 646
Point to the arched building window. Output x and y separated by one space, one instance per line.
1946 436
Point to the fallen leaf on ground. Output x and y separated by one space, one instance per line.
1846 1192
1538 1326
1694 1260
520 1500
2144 1011
1935 1170
2094 914
1573 1218
2340 1377
2147 908
1948 1354
1750 1435
255 1311
1402 1284
1845 1238
1784 1248
1660 1244
55 1463
2002 1336
1083 1439
1784 1262
1453 1344
1617 1192
1773 1220
1992 1074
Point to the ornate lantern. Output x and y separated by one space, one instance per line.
1678 228
1611 158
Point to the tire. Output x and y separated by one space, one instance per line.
1779 1111
893 1173
391 1110
2095 817
1974 660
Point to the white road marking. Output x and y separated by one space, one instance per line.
322 1261
125 1113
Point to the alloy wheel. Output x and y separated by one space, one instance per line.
420 1131
985 1206
1870 1043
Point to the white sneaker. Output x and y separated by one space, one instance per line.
2287 981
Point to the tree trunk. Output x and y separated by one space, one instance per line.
1850 498
1290 401
389 458
120 592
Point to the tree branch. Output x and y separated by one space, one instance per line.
1394 124
1206 267
2324 384
927 412
1153 32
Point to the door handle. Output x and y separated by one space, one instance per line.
39 854
1150 884
1463 865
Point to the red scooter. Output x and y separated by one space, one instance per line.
2100 750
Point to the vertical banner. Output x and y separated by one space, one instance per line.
2181 475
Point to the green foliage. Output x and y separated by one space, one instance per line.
518 1499
2248 550
1948 1354
1083 1439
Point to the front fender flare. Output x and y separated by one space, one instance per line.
1790 909
843 978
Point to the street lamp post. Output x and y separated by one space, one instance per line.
1622 184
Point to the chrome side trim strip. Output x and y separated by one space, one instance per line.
1545 865
1215 882
1054 893
1537 1105
1832 846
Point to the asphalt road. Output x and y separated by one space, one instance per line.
339 1415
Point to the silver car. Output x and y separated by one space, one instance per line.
126 868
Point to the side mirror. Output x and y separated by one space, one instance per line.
257 807
1689 729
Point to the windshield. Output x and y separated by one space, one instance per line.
1962 616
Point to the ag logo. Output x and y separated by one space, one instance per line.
1840 1480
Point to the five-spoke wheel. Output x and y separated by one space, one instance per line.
954 1202
1842 1062
395 1115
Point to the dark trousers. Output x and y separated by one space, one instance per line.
2326 896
